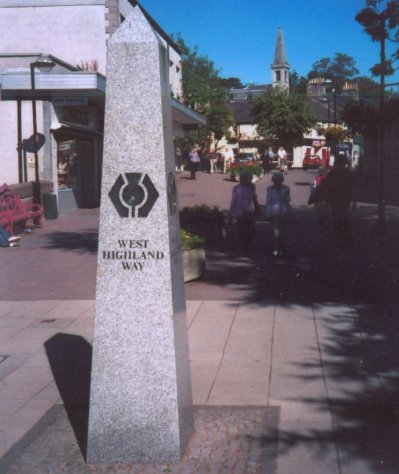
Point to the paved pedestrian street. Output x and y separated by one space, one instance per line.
294 362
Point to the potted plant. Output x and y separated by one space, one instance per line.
255 169
193 254
205 221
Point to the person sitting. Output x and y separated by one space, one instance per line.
7 239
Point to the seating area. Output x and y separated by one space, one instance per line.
13 210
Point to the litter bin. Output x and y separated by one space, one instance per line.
50 206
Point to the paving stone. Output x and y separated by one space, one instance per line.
226 440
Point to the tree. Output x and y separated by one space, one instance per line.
380 20
334 134
282 116
361 117
297 83
219 115
205 91
230 82
339 70
368 88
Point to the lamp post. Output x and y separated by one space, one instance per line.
44 64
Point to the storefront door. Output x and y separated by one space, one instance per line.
78 170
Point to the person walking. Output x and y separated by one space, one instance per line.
282 157
242 208
340 184
277 206
228 157
194 162
270 153
266 164
213 158
319 199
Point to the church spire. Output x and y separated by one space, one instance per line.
280 66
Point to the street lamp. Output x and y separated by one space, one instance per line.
44 64
334 91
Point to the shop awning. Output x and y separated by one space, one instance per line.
16 85
185 115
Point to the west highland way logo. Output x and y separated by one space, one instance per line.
133 194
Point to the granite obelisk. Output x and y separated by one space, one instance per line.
140 400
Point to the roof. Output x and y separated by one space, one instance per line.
242 112
324 107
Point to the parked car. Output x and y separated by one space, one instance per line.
244 158
311 161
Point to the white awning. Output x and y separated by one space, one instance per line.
16 85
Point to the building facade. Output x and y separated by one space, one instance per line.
69 97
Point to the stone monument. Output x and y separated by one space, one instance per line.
140 400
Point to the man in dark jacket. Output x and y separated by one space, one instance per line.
339 186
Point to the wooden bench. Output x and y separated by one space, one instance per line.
13 210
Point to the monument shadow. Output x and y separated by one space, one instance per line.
85 241
70 361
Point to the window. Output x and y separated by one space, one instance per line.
278 76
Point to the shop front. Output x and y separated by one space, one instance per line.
78 138
69 111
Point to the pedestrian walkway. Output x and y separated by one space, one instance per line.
327 368
305 348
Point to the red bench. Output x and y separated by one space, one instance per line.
14 210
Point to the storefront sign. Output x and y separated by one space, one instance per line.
75 115
62 101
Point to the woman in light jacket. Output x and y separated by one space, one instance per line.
242 208
277 206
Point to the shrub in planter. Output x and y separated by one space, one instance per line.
255 169
205 221
193 254
191 241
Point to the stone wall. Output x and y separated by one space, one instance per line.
112 17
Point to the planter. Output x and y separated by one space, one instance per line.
234 177
193 264
211 228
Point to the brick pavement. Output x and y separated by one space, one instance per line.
313 335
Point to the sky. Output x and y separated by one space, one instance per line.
239 36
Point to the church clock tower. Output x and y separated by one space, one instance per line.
280 66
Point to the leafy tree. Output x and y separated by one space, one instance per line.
230 82
282 116
205 91
334 134
219 115
368 88
360 117
297 83
380 20
339 69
